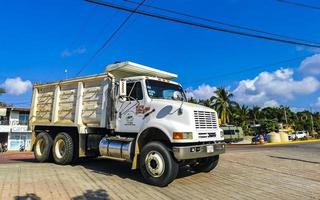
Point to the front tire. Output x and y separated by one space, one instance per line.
207 164
63 149
42 147
157 164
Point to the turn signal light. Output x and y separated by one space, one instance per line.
182 135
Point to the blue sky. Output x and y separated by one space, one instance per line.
40 39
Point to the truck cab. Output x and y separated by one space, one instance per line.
141 116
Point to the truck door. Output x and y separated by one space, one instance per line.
129 117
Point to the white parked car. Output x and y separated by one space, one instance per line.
298 135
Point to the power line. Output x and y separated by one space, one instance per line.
107 42
83 26
219 22
299 4
253 68
205 26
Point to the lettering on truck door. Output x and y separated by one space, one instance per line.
129 115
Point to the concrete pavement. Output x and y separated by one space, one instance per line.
273 172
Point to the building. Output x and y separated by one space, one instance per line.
14 128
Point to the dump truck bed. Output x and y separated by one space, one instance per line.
75 102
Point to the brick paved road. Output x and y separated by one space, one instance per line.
284 172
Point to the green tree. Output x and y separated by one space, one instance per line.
206 102
286 115
2 91
270 113
222 102
242 117
242 114
192 100
303 121
269 125
254 114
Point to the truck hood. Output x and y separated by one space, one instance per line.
191 118
185 105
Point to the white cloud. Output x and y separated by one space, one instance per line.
203 91
270 103
16 86
311 65
309 49
77 51
270 88
317 103
298 109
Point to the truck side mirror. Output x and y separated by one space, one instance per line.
123 88
177 95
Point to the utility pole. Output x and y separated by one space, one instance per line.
285 115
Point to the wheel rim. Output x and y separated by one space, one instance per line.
40 146
60 148
155 164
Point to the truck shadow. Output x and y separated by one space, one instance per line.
110 167
93 195
295 159
29 196
99 194
121 169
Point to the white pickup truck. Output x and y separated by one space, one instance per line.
298 135
130 112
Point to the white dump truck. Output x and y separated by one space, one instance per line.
130 112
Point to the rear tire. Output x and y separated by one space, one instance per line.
63 149
157 164
42 147
207 164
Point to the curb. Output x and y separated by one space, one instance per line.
294 142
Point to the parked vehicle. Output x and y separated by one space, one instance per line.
131 112
256 138
232 133
3 147
298 135
22 148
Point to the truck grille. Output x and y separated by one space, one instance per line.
205 120
206 135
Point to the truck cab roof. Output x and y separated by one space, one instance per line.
138 78
131 69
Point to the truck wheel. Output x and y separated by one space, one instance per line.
63 149
157 165
207 164
42 147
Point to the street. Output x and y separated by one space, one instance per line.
244 172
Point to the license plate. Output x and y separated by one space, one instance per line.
210 149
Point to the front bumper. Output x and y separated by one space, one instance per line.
198 151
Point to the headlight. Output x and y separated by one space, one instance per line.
221 133
182 135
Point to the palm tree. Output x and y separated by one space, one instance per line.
192 100
255 114
222 102
243 115
206 102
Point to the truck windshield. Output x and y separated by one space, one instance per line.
163 90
